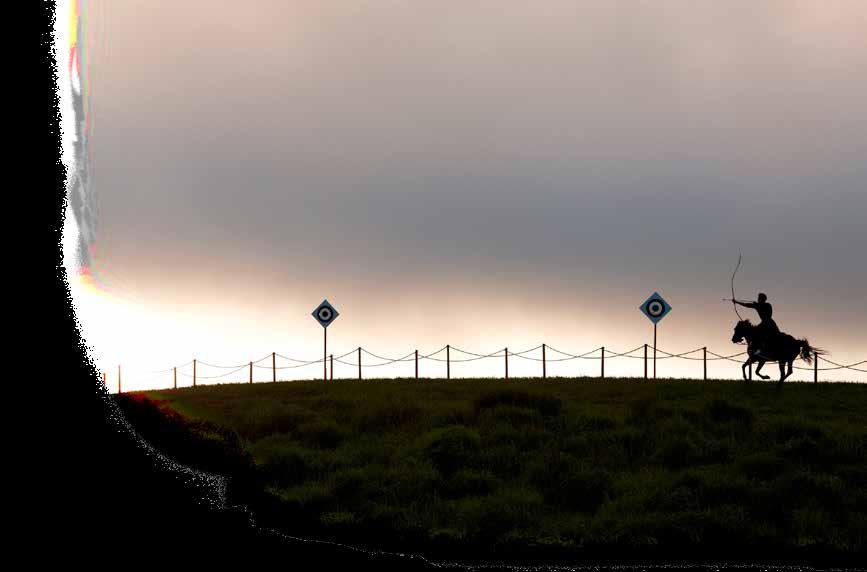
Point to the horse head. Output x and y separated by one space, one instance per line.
743 329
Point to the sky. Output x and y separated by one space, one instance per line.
483 174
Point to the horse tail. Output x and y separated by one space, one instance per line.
807 351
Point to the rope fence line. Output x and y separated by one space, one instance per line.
627 354
600 354
718 357
442 349
573 356
301 361
475 354
467 360
296 366
384 359
216 376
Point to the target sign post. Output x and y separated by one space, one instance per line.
655 308
325 313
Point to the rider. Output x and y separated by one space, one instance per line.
767 327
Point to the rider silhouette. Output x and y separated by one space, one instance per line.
767 327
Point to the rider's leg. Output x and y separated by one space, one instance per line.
772 328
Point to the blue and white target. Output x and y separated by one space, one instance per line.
325 313
655 308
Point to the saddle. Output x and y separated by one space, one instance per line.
769 341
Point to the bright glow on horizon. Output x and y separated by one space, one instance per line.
145 341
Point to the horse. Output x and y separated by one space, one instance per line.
781 348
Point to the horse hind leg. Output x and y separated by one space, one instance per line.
759 368
789 372
782 373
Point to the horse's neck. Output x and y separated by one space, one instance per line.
751 337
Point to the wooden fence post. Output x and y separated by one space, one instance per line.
448 363
544 368
176 378
506 353
118 379
251 372
416 364
331 367
274 367
194 373
359 363
645 361
705 363
603 362
815 367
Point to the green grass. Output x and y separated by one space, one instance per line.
549 469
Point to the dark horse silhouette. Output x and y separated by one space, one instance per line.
781 348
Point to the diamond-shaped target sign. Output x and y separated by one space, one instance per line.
325 313
655 308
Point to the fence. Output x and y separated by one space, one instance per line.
600 354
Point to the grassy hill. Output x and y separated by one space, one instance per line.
525 468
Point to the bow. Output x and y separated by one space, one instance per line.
735 306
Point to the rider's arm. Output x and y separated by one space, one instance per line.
746 304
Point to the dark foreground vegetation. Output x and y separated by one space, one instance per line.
562 469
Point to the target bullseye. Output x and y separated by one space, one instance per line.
325 313
655 308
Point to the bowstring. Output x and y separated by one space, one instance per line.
735 306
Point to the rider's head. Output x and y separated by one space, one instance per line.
762 297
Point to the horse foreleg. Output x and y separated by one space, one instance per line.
759 368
